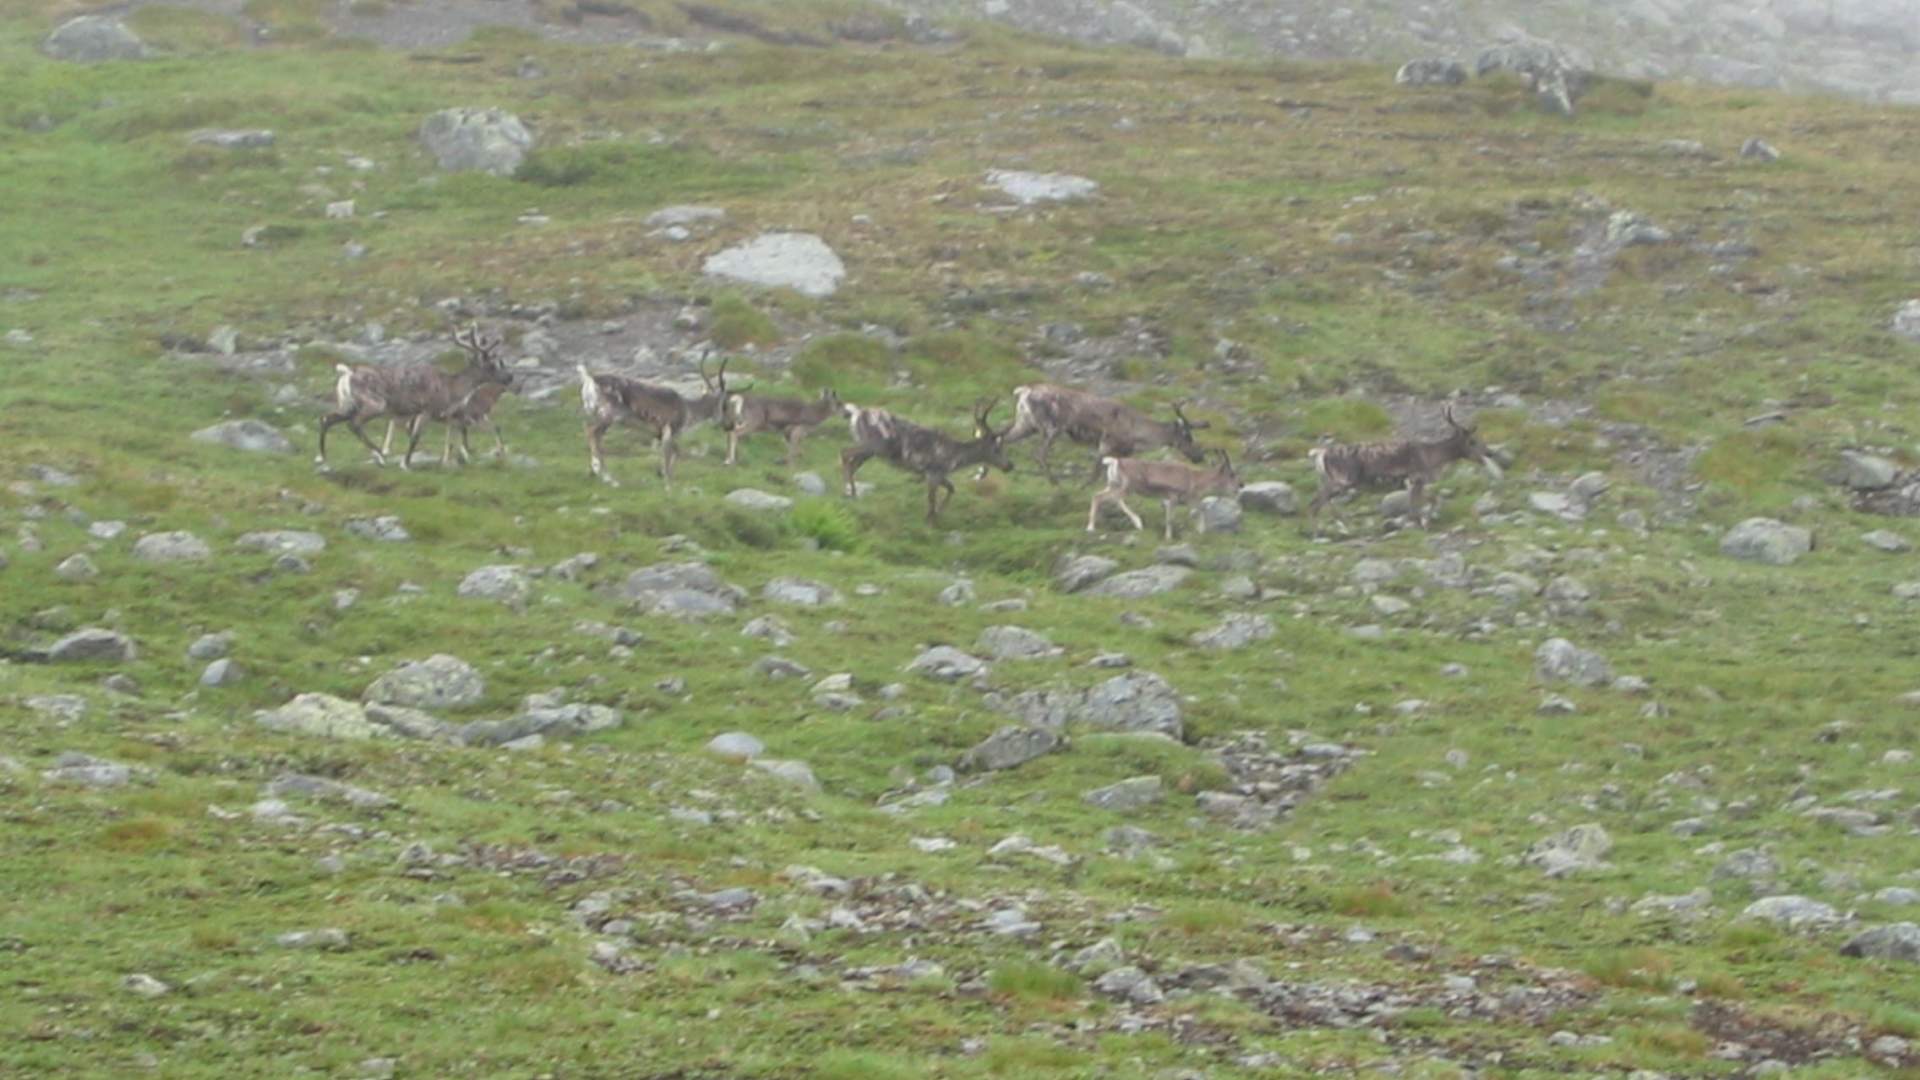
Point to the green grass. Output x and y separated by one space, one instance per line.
1352 258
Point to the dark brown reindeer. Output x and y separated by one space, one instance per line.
475 409
609 399
411 392
928 454
792 419
1394 462
1168 481
1112 428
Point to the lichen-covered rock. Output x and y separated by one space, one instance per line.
1010 747
93 644
92 39
168 547
1081 571
254 436
1136 584
1431 71
1560 660
799 261
438 682
321 715
1764 540
476 140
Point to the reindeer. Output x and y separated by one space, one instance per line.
928 454
410 392
1344 468
1114 429
748 415
1168 481
475 408
609 399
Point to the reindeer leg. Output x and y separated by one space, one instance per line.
1045 454
327 420
415 429
1121 501
500 443
669 451
794 435
1166 508
933 500
1416 500
733 446
446 449
850 461
353 425
595 430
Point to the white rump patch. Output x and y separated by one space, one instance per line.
343 388
589 390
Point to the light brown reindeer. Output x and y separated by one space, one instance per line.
410 392
793 420
1395 462
1168 481
1114 429
609 399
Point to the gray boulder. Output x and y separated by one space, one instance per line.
76 567
93 644
1014 643
683 590
253 436
1559 660
1135 701
1236 631
755 499
1764 540
1081 571
1867 472
737 745
83 770
1136 584
211 646
476 140
1127 795
799 592
1218 514
386 529
1270 497
1583 847
222 672
438 682
169 547
1906 322
283 542
321 789
410 723
321 715
794 773
1010 747
537 721
1896 941
1757 149
1886 540
799 261
503 584
1431 71
92 39
1029 188
1791 911
946 664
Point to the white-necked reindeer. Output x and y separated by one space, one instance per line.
610 399
1112 428
1168 481
1395 462
792 419
928 454
411 392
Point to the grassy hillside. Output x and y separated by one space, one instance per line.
1299 250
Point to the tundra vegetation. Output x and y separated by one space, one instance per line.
366 772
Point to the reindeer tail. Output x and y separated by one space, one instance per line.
1112 465
1318 455
343 388
589 390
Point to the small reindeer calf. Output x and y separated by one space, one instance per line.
1170 482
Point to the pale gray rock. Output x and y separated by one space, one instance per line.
84 770
211 646
291 784
503 584
1895 941
1029 188
1765 540
799 592
1628 229
222 672
1906 322
93 39
1888 541
492 141
528 728
60 708
794 773
799 261
1135 701
438 682
253 436
1583 847
1010 747
685 216
779 667
225 139
1270 497
1131 794
683 590
1130 984
1431 71
1218 514
1867 472
1559 660
103 530
755 499
93 644
1757 149
386 529
958 594
1077 573
1793 912
1237 631
1898 896
321 715
810 483
736 745
171 547
1759 868
76 567
946 664
283 542
1687 905
144 985
410 723
1138 584
1014 643
770 629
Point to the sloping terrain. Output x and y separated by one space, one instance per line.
1568 784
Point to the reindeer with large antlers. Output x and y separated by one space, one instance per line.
1112 428
609 399
749 414
1168 481
1394 462
928 454
411 392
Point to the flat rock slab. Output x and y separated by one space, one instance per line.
92 39
438 682
169 547
684 216
1136 584
1010 747
321 715
283 542
253 436
257 139
1029 188
799 261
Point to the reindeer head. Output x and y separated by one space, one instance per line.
483 349
1182 441
994 440
713 404
1227 474
831 399
1465 443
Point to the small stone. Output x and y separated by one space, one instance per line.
222 672
1791 911
1559 660
438 682
799 592
946 664
1077 573
252 436
1759 150
755 499
170 547
503 584
1014 643
76 567
1270 497
330 939
1896 941
1765 540
1009 748
795 773
1127 795
1888 541
144 986
211 646
93 644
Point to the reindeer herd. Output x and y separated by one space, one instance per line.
413 394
